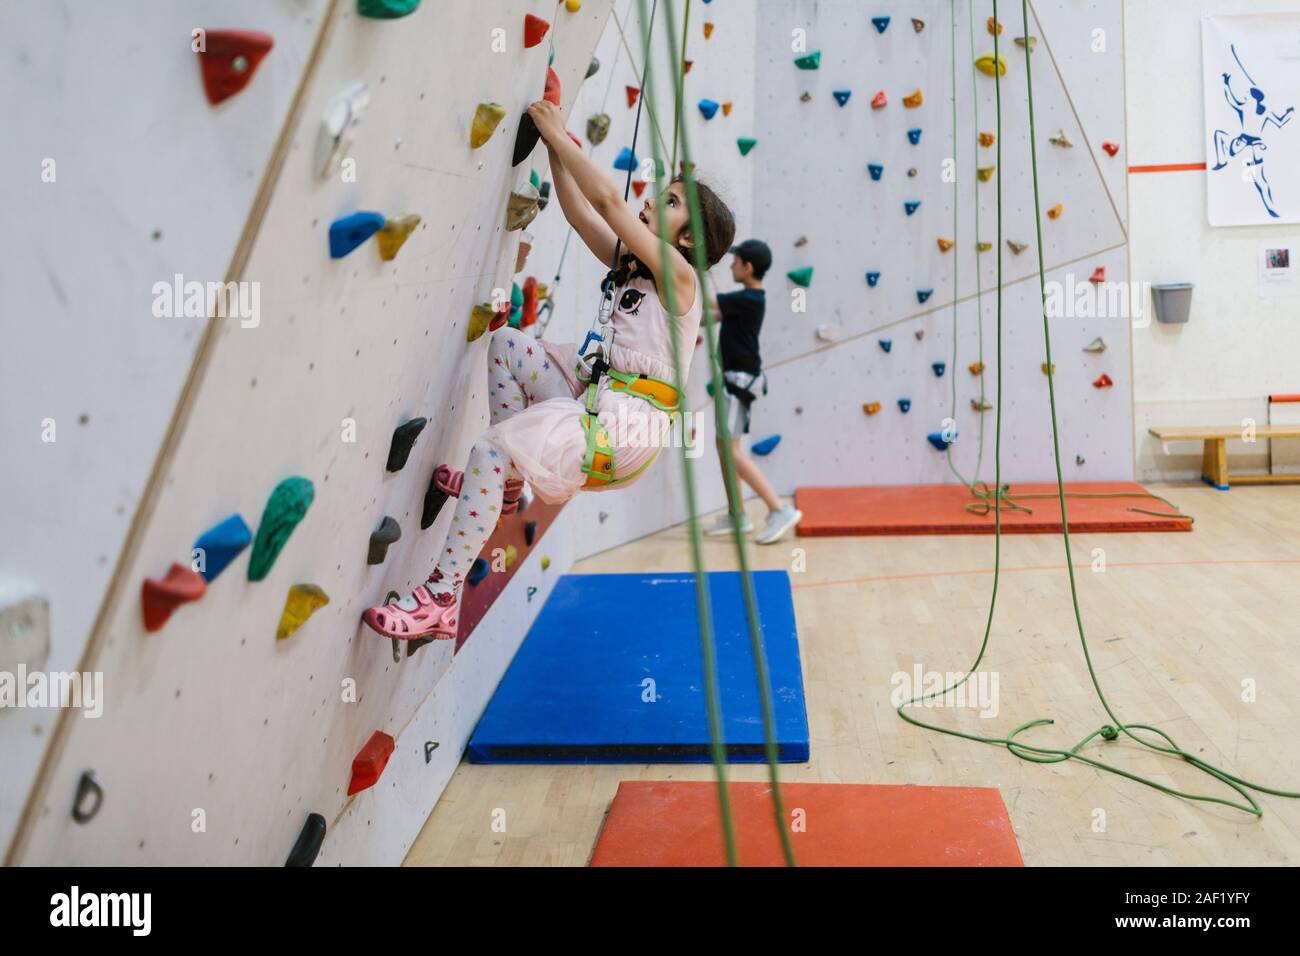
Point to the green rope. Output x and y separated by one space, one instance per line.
681 72
1108 732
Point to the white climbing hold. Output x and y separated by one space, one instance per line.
337 126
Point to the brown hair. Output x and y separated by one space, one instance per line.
719 224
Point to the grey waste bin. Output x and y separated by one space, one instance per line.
1173 302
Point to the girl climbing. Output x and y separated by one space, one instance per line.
562 422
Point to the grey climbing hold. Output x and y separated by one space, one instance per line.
603 516
592 68
388 532
523 207
404 437
307 847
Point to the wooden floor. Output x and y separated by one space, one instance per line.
1181 627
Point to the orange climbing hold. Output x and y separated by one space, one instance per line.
976 368
534 29
229 58
726 109
988 139
369 764
871 408
946 245
529 315
994 28
1056 211
708 29
632 94
1049 369
913 100
159 598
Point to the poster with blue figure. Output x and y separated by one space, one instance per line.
1252 86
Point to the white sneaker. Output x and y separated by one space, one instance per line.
778 523
724 527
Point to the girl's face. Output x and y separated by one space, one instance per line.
675 213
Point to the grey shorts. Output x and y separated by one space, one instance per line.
738 413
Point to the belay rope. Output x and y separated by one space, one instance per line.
1111 731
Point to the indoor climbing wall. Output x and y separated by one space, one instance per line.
858 206
245 698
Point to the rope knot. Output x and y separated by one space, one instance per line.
1109 733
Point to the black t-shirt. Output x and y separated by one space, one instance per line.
742 320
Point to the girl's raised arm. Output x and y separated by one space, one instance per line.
593 230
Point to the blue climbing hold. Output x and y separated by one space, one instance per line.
765 446
841 96
350 231
873 279
923 295
886 345
478 571
626 160
940 442
914 137
912 205
221 544
708 108
881 23
876 171
939 369
904 405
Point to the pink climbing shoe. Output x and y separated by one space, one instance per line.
423 614
510 497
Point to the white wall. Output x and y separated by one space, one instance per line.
1237 348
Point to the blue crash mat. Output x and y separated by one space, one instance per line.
611 673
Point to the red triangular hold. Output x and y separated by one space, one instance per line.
552 91
686 66
1098 274
1103 382
370 762
159 598
534 29
632 94
229 60
638 187
1111 148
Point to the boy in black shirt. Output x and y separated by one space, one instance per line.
741 316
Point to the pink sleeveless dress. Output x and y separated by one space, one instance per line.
546 440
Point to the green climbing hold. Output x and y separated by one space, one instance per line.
386 9
812 61
284 509
801 277
746 143
535 179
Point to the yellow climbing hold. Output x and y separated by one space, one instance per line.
1029 42
573 6
985 173
486 119
393 234
546 562
981 404
480 317
871 408
708 29
990 65
1056 211
913 100
987 139
983 246
1049 369
946 245
303 601
512 554
976 368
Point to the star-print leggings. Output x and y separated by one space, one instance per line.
519 374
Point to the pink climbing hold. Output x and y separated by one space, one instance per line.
159 598
369 764
1098 275
879 101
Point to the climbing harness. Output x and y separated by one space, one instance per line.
598 459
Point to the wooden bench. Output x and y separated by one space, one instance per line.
1214 470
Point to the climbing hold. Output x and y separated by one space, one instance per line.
1111 148
983 246
841 96
1096 345
592 68
229 59
923 295
985 173
545 562
945 245
370 762
512 555
551 91
886 345
708 29
534 29
284 509
981 404
404 437
801 277
686 66
828 333
911 173
976 367
918 25
350 231
478 571
801 241
871 408
988 139
334 135
994 28
1098 275
386 9
638 187
393 233
626 160
806 97
303 601
159 598
530 532
879 101
1056 211
486 118
913 100
708 108
484 318
1061 140
307 847
597 128
523 207
811 61
920 334
989 64
526 139
746 143
876 171
1029 43
911 206
880 23
388 532
544 195
573 6
939 441
220 545
1048 369
914 137
726 108
873 279
904 405
765 446
632 93
529 313
603 516
1017 247
1079 460
939 368
1103 382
